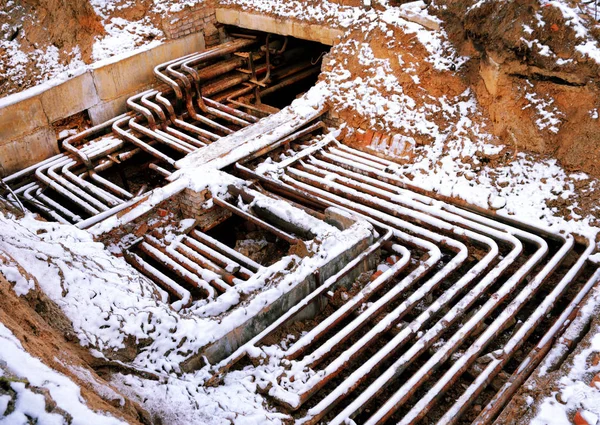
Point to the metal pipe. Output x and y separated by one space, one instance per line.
535 357
255 220
182 294
251 345
123 134
224 249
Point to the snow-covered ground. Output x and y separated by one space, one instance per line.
31 380
111 305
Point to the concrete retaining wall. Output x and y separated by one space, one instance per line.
26 133
254 21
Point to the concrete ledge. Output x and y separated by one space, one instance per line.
254 21
28 149
232 340
26 118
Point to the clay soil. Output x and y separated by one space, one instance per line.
46 334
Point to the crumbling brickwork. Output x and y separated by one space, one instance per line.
193 205
191 19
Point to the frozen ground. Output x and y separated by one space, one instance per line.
109 303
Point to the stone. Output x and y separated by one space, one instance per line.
27 150
320 33
21 117
490 73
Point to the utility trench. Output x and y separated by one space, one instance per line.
441 318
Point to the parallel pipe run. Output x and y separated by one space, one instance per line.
534 358
250 348
331 174
255 220
166 122
183 296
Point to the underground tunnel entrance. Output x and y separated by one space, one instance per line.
451 315
202 98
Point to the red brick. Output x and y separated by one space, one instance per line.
368 137
376 275
595 383
579 419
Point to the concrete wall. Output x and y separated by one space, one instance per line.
228 343
254 21
26 133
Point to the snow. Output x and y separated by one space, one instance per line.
575 393
124 36
26 372
112 306
185 400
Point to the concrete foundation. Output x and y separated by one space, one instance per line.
234 339
26 118
254 21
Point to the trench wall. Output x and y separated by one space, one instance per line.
26 132
255 21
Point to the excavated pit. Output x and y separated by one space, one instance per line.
436 311
223 90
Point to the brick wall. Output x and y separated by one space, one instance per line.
191 19
192 205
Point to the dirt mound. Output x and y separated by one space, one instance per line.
66 25
537 77
544 37
38 36
43 330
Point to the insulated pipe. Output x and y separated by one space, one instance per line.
45 210
499 323
228 264
142 110
195 59
535 356
175 289
322 289
93 190
164 138
224 249
126 136
231 111
70 187
65 188
158 72
289 81
341 416
213 71
255 220
74 218
295 136
162 254
203 136
68 142
424 289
